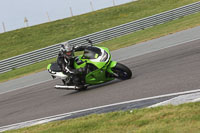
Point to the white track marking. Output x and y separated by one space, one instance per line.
59 116
26 86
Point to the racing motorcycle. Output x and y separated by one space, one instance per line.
100 68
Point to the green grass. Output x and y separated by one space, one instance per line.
124 41
184 118
28 39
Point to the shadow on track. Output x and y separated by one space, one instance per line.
96 86
93 87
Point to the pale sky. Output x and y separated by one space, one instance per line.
13 12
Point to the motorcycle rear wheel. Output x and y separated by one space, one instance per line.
122 71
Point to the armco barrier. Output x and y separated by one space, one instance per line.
52 51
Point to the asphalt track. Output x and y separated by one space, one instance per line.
170 70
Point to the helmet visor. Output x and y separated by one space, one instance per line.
69 53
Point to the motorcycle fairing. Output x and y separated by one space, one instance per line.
56 71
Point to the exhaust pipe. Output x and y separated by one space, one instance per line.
66 87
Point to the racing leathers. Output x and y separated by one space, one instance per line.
77 76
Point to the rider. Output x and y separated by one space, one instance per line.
66 60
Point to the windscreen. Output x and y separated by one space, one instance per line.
92 53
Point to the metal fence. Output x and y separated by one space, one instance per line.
52 51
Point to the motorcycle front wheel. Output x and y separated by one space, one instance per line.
122 72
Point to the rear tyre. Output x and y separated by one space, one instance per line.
122 72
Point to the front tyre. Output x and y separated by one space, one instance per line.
122 72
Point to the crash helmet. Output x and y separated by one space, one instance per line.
67 50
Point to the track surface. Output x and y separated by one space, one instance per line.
166 71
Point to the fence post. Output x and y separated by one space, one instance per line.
4 28
91 6
71 11
26 22
113 2
48 17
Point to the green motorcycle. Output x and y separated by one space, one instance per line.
100 69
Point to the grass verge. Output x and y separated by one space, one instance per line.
124 41
28 39
184 118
